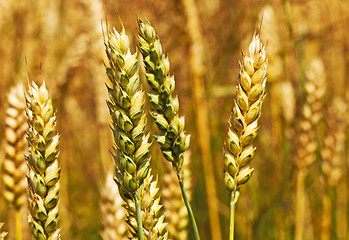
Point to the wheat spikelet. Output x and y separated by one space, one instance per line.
2 234
315 87
243 126
153 222
175 210
44 171
164 107
111 211
14 167
334 142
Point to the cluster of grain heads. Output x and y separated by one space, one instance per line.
2 234
243 125
14 167
42 160
111 211
126 107
164 107
153 221
175 210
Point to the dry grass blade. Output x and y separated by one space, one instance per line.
44 171
243 126
14 167
153 221
111 211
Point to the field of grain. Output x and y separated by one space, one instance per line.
239 106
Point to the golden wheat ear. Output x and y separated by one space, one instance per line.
243 126
14 167
42 160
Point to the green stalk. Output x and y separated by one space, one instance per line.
139 218
190 211
232 216
18 224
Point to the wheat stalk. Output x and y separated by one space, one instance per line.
126 103
175 211
153 222
44 171
164 107
243 126
111 211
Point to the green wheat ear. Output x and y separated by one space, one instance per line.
44 171
164 107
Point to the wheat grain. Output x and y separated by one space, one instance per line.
153 221
44 171
14 167
243 126
111 211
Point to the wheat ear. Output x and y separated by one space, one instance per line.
175 211
2 234
126 107
243 126
14 167
164 107
153 222
111 211
334 142
332 153
44 171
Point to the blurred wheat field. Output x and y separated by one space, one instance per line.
300 187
